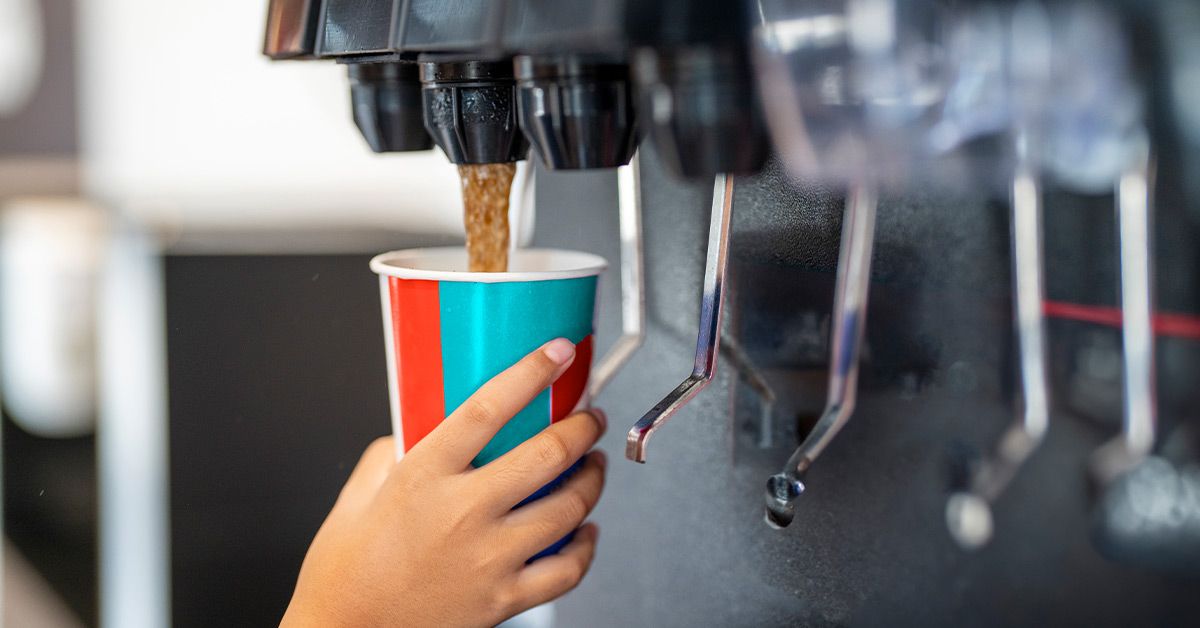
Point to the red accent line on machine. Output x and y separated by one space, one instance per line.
1165 323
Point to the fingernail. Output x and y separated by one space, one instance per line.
601 458
559 350
601 418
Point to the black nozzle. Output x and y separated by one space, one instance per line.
576 111
386 98
702 109
471 109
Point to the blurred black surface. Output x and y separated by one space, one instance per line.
50 511
277 385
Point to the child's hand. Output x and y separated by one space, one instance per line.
430 541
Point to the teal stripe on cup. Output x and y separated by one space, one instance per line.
486 327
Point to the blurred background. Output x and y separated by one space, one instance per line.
183 180
191 357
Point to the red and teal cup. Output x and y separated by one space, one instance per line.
447 331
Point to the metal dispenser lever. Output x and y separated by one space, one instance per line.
633 293
969 512
1134 208
849 321
708 339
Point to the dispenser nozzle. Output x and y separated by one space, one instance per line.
386 100
471 109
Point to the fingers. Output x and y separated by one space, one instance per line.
537 525
534 463
551 577
460 437
369 474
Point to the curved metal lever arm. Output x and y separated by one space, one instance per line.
969 512
1134 219
849 321
708 340
633 294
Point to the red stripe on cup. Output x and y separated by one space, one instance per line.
566 391
418 336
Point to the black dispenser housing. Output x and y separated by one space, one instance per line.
579 68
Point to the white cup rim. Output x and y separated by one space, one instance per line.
436 264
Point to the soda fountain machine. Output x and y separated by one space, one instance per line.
956 311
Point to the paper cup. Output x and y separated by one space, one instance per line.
447 331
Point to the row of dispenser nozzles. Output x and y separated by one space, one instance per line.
576 111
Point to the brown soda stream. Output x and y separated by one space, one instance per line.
485 189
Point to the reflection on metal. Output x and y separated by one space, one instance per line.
291 29
849 321
969 512
522 206
708 339
633 291
1137 309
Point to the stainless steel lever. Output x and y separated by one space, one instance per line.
708 339
633 294
1134 207
849 321
969 512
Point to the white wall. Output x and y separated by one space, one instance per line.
185 124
